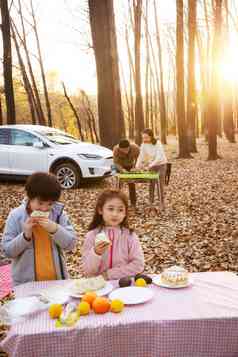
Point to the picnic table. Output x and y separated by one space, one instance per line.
147 177
197 321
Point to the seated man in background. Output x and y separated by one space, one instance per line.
125 155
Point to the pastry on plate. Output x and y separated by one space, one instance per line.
175 276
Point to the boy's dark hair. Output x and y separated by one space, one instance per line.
44 186
151 134
97 221
124 144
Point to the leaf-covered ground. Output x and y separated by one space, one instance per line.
198 228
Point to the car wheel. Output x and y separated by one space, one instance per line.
68 175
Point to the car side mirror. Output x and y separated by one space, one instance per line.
38 145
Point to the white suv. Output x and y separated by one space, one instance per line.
25 149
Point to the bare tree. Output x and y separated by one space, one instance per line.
1 113
182 132
228 120
47 101
131 87
139 115
39 110
111 120
163 113
74 111
7 63
27 84
213 102
147 69
90 115
191 97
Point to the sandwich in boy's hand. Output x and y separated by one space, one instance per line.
40 214
102 238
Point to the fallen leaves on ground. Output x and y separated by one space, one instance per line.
198 229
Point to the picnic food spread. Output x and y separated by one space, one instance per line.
174 276
84 285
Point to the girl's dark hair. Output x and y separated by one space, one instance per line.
106 195
44 186
151 134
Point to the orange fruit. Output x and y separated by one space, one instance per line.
117 305
55 310
83 308
89 297
140 282
101 305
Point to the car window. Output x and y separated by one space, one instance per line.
4 136
57 137
21 137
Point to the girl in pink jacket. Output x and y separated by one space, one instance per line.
122 255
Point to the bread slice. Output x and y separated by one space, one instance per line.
40 214
102 237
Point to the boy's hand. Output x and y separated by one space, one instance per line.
50 226
101 248
104 274
28 226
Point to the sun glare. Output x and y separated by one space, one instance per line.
228 66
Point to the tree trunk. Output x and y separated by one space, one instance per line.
229 127
126 98
47 101
139 116
111 121
131 82
75 112
38 107
228 121
191 97
1 114
27 85
213 104
163 113
156 80
204 82
182 133
132 116
7 63
90 115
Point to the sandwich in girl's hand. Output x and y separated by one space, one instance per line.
44 214
102 238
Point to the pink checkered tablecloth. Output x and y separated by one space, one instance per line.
198 321
5 280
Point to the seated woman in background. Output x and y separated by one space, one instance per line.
152 157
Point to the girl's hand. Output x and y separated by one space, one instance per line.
50 226
28 226
101 248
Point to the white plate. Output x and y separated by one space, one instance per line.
13 311
55 295
132 295
100 292
157 281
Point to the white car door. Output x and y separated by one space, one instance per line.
23 156
4 151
